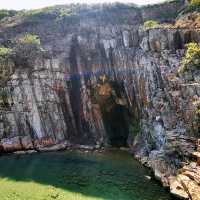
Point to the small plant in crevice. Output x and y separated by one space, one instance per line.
191 60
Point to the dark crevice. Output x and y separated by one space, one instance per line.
115 113
75 96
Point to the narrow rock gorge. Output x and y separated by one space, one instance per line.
104 79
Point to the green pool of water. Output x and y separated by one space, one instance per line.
112 175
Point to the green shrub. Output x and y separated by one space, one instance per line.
6 65
7 13
26 50
4 52
54 14
193 6
29 39
151 24
195 3
191 59
197 111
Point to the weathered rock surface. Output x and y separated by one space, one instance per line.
186 184
103 72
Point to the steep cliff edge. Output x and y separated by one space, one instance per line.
104 80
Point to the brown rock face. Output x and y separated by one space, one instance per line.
16 144
186 184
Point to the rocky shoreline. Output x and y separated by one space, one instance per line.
186 185
49 147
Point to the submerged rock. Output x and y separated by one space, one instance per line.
148 177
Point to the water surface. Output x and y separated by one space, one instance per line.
112 175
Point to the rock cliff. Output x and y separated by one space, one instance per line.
105 80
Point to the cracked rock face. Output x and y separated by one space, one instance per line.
102 72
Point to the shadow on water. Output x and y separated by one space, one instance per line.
113 175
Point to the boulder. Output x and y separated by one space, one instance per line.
56 147
190 187
12 144
27 142
186 184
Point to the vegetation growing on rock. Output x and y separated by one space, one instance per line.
191 59
7 13
6 64
194 5
27 49
29 39
4 52
190 16
151 24
53 13
6 70
190 65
